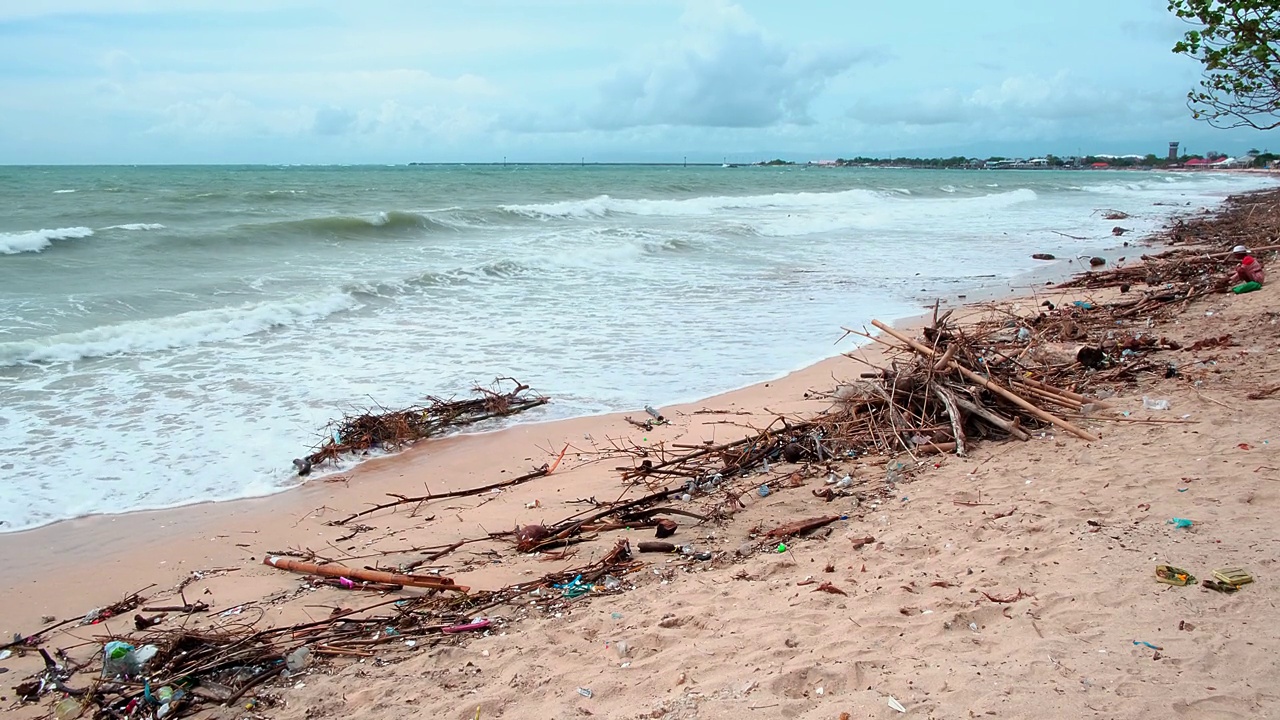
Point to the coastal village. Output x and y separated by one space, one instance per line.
1174 159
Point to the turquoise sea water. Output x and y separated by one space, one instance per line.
177 334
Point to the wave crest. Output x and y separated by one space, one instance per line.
37 240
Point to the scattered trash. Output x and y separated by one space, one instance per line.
1247 287
122 660
1179 522
585 692
782 547
1154 404
298 659
1225 588
1233 576
763 491
1144 642
1171 575
483 624
893 703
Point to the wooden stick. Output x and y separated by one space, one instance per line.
1045 394
938 448
1065 393
1004 423
957 422
340 571
992 386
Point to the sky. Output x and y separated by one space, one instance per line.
383 81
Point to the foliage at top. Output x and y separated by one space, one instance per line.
1236 41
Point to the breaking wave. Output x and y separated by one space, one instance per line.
382 223
604 206
135 226
37 240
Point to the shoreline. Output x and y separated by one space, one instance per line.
1054 516
186 533
1023 283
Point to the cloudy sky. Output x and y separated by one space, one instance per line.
384 81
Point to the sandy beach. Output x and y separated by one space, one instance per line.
1014 582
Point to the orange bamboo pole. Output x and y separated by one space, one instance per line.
377 576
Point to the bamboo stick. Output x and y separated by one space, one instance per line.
992 386
1065 393
341 571
1045 394
1004 423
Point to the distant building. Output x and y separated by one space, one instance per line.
1173 151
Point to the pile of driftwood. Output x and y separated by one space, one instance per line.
392 429
188 670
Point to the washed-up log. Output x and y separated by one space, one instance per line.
801 527
935 448
654 546
990 385
373 576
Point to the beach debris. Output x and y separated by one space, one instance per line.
657 416
183 670
893 703
1008 598
800 527
1179 523
585 692
1233 576
665 528
861 541
1043 256
829 588
1219 586
1171 575
335 570
385 429
1147 644
1149 403
656 547
1113 214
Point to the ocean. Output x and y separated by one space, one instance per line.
171 335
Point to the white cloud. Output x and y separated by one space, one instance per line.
723 70
1019 100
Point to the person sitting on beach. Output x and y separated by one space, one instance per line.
1250 270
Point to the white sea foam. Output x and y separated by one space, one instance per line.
183 330
62 192
37 240
851 201
403 313
135 226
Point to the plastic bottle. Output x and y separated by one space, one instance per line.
763 491
298 659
